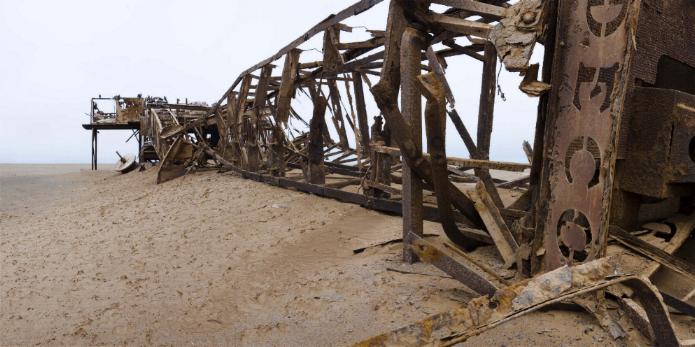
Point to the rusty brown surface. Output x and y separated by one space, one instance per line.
614 144
591 58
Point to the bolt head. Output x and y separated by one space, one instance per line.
529 17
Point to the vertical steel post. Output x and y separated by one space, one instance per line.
412 45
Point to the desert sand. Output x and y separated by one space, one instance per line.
99 258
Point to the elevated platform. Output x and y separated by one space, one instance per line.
111 126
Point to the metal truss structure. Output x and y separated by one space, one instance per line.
614 146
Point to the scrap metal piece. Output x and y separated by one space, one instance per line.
530 85
516 34
172 164
484 313
126 163
654 253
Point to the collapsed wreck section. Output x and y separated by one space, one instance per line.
611 173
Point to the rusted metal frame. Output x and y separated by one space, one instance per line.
435 119
488 164
435 65
314 171
352 120
475 7
360 64
474 151
331 20
284 99
361 110
539 141
243 118
351 63
332 61
252 144
395 26
95 133
371 43
233 127
385 96
288 83
485 119
222 129
490 213
469 51
458 25
357 64
337 113
412 44
386 101
277 155
317 86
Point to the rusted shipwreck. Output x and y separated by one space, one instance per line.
606 203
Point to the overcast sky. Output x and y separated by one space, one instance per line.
58 54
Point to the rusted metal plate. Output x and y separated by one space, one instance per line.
592 54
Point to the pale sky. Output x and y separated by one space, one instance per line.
56 55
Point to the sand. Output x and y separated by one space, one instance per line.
99 258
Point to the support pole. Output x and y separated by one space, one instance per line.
140 160
485 119
315 171
94 148
361 110
412 44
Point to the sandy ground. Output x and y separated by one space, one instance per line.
98 258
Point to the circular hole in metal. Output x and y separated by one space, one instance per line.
582 143
574 236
